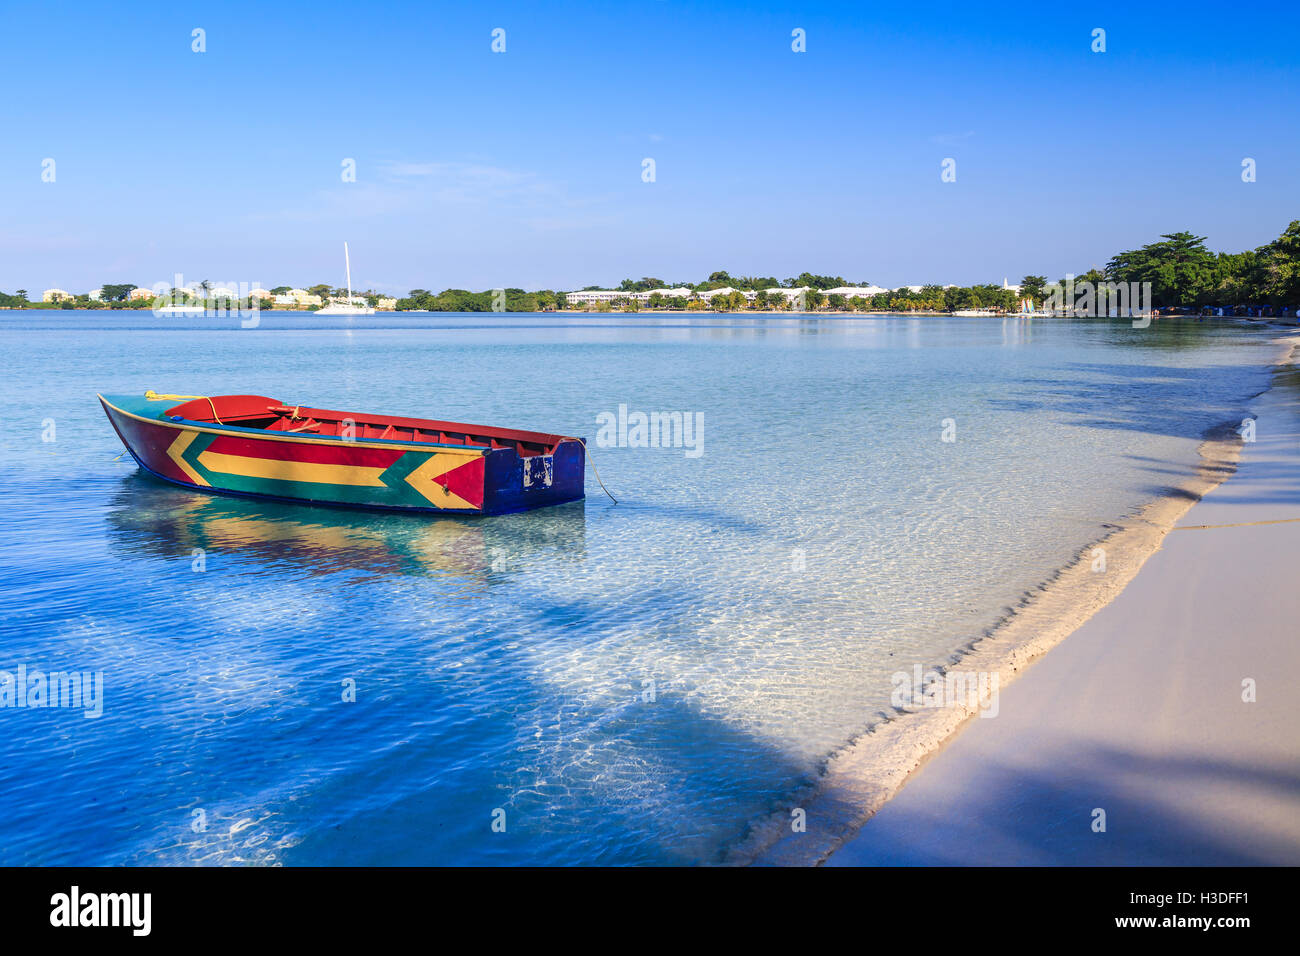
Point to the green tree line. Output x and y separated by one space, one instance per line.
462 300
1184 273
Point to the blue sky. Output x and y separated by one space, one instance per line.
478 169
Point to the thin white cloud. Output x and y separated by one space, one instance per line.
466 181
403 187
951 139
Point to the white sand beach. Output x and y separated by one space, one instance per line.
1140 711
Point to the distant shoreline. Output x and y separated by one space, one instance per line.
1242 313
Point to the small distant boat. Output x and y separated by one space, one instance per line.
347 307
180 310
973 312
260 447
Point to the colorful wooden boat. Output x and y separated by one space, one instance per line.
260 447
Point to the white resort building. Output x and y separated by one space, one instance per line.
681 292
862 291
790 294
708 295
598 296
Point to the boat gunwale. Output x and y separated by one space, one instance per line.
494 432
186 424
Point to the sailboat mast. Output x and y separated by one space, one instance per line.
347 264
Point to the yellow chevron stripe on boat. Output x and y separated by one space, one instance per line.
279 470
421 479
176 452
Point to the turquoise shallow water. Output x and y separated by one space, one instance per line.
626 684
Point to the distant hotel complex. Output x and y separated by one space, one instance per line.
725 297
590 297
598 296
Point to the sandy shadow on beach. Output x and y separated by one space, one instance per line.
1159 811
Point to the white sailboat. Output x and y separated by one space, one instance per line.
347 307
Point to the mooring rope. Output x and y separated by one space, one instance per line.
153 396
587 452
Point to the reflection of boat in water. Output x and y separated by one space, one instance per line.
171 523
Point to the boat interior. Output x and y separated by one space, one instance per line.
272 415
